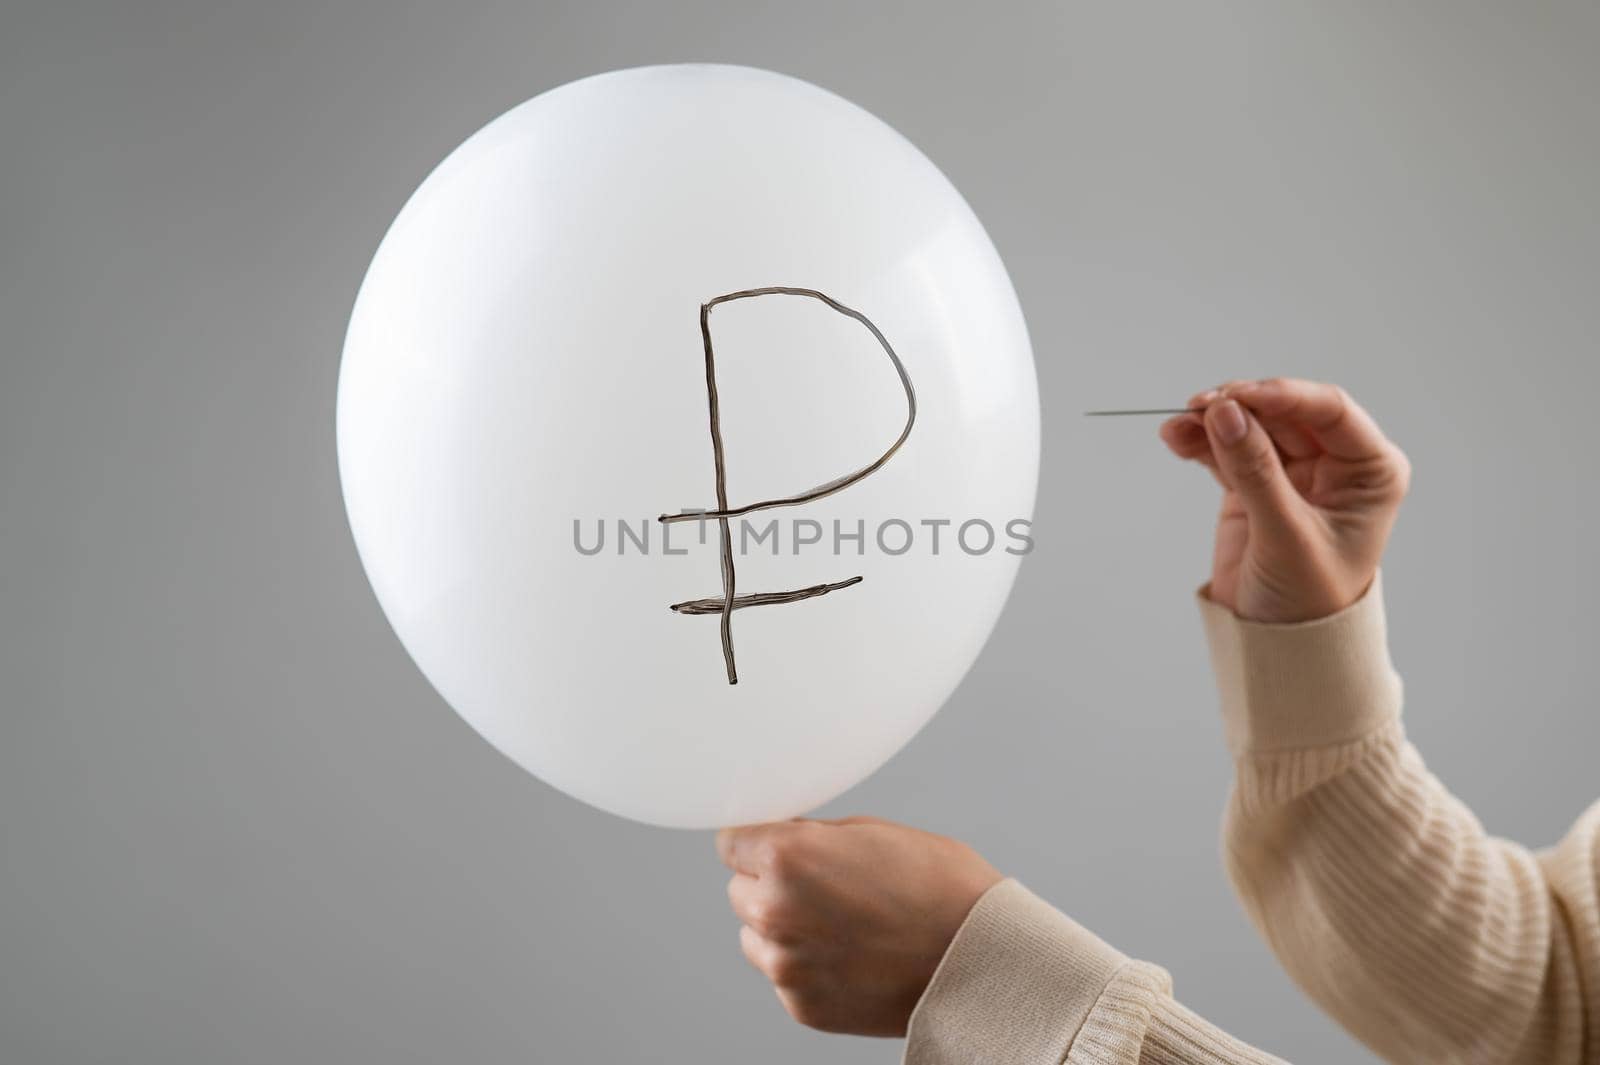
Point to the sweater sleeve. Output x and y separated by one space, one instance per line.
1023 984
1380 892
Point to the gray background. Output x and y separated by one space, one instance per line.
237 824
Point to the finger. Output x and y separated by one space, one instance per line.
1334 420
1291 438
749 849
1185 436
1249 464
753 904
758 951
857 819
724 842
781 964
1201 400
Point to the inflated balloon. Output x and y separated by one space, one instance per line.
597 366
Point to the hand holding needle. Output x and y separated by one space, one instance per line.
1310 485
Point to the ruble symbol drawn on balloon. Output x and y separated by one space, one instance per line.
729 600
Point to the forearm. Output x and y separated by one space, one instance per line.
1380 893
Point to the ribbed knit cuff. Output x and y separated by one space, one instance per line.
1303 685
1015 985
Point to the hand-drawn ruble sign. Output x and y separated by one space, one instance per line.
729 601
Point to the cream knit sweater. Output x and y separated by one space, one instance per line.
1379 891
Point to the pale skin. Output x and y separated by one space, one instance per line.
848 919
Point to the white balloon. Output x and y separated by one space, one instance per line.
525 372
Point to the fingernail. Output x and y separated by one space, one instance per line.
1204 399
1231 425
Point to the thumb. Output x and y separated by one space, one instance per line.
1248 462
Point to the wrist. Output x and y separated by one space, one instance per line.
1298 685
1016 984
